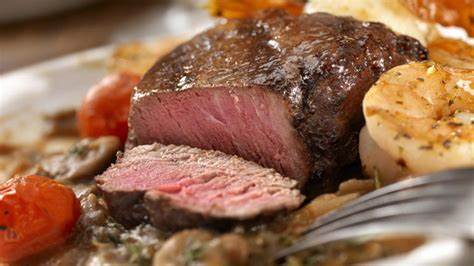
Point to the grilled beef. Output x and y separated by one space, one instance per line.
279 90
179 186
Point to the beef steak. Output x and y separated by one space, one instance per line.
179 187
280 90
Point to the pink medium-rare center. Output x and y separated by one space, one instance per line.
193 185
245 121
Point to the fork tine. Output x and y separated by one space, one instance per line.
404 207
421 207
440 177
408 223
436 192
443 178
400 219
394 225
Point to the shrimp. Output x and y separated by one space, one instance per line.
420 116
377 163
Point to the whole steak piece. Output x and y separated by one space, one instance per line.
178 186
279 90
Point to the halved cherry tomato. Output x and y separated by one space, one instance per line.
36 213
104 110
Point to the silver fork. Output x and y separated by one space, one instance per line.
439 204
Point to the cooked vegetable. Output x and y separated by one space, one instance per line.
63 123
358 251
422 116
36 213
117 246
104 110
199 247
393 13
183 248
138 57
248 8
298 221
84 160
446 12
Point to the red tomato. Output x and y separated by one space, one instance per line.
36 213
104 110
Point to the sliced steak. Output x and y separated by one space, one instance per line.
279 90
179 187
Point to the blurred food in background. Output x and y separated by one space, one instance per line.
104 110
416 19
45 36
446 12
452 52
393 13
138 57
25 9
246 8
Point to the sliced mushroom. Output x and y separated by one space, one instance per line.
84 160
228 249
200 247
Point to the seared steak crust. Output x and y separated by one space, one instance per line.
320 64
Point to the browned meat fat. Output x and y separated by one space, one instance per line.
179 186
279 90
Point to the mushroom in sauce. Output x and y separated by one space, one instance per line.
84 160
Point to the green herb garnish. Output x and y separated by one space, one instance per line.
79 150
136 254
378 183
193 254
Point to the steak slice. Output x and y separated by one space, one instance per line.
279 90
179 186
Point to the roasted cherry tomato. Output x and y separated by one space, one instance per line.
36 213
104 110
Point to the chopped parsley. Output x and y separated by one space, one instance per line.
79 150
378 183
193 254
447 144
3 227
426 147
136 254
400 149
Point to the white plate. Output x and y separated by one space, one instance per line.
30 93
